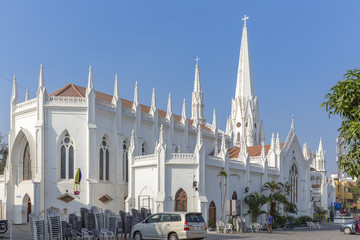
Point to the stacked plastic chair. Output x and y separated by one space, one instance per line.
110 221
99 217
37 227
90 221
86 234
54 225
83 212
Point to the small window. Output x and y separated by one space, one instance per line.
175 218
104 161
154 219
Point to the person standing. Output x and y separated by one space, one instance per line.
358 224
270 222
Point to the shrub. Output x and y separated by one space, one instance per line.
303 219
281 220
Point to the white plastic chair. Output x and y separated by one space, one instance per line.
220 226
228 226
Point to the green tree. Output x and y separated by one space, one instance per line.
255 201
343 100
319 211
223 174
3 153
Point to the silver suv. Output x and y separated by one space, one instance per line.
171 226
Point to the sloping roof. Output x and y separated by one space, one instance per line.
72 90
253 151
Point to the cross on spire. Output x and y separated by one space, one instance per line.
197 60
244 19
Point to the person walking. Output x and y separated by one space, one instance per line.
270 222
358 224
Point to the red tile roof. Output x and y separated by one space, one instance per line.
72 90
253 151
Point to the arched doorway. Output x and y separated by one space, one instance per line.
212 215
234 196
181 200
26 208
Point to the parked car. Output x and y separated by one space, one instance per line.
171 226
349 228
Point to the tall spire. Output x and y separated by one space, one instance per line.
116 89
197 105
244 83
14 94
320 149
184 110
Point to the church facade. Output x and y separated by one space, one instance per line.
132 155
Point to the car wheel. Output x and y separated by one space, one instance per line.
137 236
173 236
347 231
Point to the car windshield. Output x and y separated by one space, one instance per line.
193 217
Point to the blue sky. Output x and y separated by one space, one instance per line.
299 50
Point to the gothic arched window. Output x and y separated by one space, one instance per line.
67 158
125 162
181 201
104 160
293 181
27 163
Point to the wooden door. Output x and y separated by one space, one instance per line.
212 215
28 209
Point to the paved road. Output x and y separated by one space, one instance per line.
328 232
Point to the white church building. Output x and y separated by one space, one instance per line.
133 155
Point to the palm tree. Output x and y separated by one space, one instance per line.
224 175
255 202
275 195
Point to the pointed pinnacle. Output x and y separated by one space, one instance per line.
116 87
214 123
169 106
136 94
153 100
27 95
184 110
197 83
14 89
90 79
41 77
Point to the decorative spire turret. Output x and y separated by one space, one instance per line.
272 145
14 94
277 147
136 96
262 133
197 105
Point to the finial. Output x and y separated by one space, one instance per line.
214 123
197 60
244 19
116 87
292 121
14 90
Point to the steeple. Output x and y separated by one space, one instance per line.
320 149
116 90
14 94
244 83
197 105
245 118
90 86
262 133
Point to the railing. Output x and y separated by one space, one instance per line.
145 157
66 99
26 103
182 155
105 104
